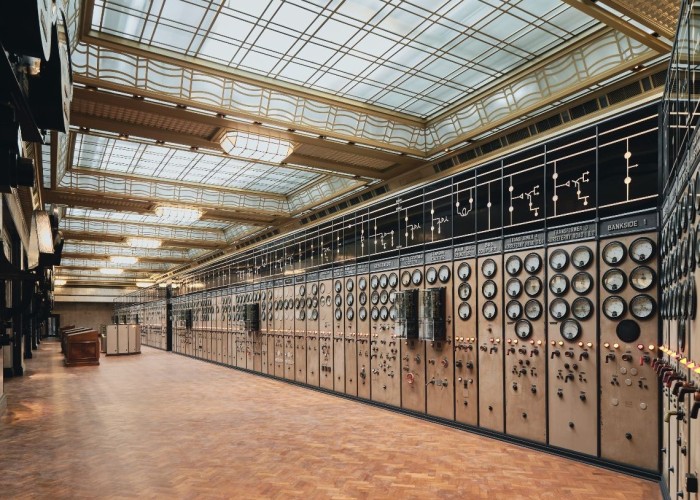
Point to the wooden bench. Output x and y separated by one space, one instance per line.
82 348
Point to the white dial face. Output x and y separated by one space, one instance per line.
302 290
570 329
375 297
489 309
338 286
363 314
392 297
444 274
350 314
514 265
349 299
392 313
614 307
464 311
374 282
323 301
464 271
614 280
514 287
349 285
582 308
514 309
464 291
489 289
405 278
642 306
533 309
338 314
558 284
488 268
431 275
384 313
523 329
581 257
363 298
384 297
338 301
417 277
375 314
558 260
314 289
642 278
558 308
533 263
362 283
614 253
383 280
582 282
533 286
314 315
322 288
393 280
642 249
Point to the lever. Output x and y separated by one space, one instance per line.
678 413
583 355
510 350
535 352
686 389
610 357
669 380
644 359
555 353
694 411
676 387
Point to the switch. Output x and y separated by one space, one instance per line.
691 483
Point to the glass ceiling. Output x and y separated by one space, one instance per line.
413 56
109 249
98 263
103 215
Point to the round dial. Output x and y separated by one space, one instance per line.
349 299
514 288
582 282
417 277
489 310
614 280
582 308
489 289
614 253
328 299
322 288
383 280
392 297
558 284
374 282
642 278
363 298
642 249
362 283
384 297
488 268
302 290
523 329
314 315
349 313
314 302
393 314
464 271
297 303
444 274
338 314
302 315
338 301
533 262
570 329
558 260
363 314
349 284
464 291
314 289
405 278
514 265
375 314
338 286
375 298
431 275
642 306
533 286
533 309
323 301
581 257
384 313
464 311
559 308
513 309
614 307
393 280
681 336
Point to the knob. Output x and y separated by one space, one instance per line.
628 436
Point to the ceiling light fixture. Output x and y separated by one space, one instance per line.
111 271
123 259
59 282
178 214
144 242
256 147
144 284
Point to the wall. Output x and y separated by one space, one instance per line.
84 313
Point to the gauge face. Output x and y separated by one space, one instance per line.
581 257
363 298
533 262
322 288
642 278
489 310
464 291
642 249
392 297
349 299
323 301
582 308
559 308
582 282
302 315
375 314
393 280
363 314
417 277
297 304
383 280
384 313
362 283
489 289
614 307
302 290
405 278
533 309
523 329
338 286
614 280
314 315
464 311
431 275
384 297
338 301
393 314
464 271
614 253
349 313
533 286
314 289
375 298
514 265
570 329
558 260
349 284
488 268
444 274
558 284
642 306
338 314
514 287
513 309
374 282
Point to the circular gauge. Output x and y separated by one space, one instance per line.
374 282
349 313
582 308
363 314
692 260
464 291
614 253
692 211
328 299
684 213
533 286
614 307
513 309
393 280
383 280
642 278
384 297
297 304
338 314
263 316
349 299
559 308
464 311
308 302
489 289
384 313
514 265
393 313
375 314
323 301
338 301
444 274
374 298
533 309
488 268
338 286
570 329
362 283
322 288
642 249
431 275
392 297
582 282
277 305
302 315
558 260
683 258
627 330
314 315
489 310
692 299
523 329
349 284
302 290
681 336
558 284
464 271
514 288
405 278
363 298
417 277
581 257
533 262
642 306
614 280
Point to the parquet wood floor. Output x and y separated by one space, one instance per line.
158 425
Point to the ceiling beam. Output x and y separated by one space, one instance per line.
641 18
154 260
69 235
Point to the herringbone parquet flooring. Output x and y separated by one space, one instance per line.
158 425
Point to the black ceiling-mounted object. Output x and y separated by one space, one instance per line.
25 28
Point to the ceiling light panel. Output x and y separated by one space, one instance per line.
127 229
97 263
107 249
256 147
110 215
